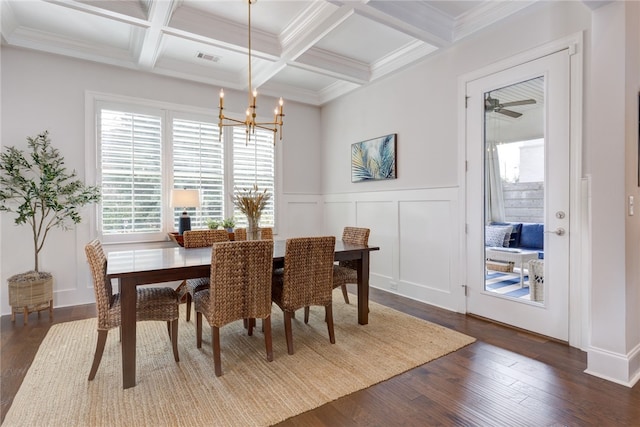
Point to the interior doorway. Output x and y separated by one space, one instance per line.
518 195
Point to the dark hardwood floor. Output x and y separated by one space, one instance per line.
506 378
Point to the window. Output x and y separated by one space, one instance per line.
146 152
131 172
253 163
198 163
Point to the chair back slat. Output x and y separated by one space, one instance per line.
240 234
266 233
101 285
356 236
308 272
204 238
240 281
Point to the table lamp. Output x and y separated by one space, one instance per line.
185 199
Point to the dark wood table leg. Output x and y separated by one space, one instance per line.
363 288
128 332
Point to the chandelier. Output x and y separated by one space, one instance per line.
250 121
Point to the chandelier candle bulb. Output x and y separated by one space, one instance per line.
221 98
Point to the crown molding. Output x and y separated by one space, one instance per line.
487 14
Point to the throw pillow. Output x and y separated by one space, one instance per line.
507 236
497 235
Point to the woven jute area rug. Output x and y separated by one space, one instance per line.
251 391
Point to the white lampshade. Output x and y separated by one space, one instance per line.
185 198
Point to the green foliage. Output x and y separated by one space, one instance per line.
228 223
213 224
41 192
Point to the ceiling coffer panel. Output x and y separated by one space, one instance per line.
312 51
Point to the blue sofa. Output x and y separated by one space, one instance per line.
527 236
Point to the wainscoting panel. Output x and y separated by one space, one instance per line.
338 215
418 232
382 219
425 244
300 215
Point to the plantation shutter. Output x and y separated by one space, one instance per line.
254 163
198 163
131 179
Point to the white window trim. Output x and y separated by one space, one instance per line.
96 100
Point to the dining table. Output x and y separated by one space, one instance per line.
132 268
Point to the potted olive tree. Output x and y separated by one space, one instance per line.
39 190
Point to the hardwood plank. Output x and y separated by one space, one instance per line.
507 378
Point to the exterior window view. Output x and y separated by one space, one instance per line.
515 192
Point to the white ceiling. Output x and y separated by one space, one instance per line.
310 51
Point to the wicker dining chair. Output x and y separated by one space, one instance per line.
240 289
305 280
199 239
153 303
266 233
239 234
346 271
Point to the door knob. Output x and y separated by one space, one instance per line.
559 231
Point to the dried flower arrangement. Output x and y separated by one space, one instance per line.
251 202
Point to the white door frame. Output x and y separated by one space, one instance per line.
579 279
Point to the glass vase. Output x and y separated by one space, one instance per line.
253 229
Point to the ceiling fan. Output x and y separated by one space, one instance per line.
493 104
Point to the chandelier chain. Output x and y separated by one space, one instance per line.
250 122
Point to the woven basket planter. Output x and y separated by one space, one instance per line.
505 267
30 292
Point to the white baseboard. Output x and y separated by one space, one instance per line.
619 368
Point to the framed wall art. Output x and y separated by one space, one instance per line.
374 159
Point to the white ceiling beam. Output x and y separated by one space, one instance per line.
402 57
129 12
159 15
415 19
337 66
314 23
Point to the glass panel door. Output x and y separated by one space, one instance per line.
514 188
517 196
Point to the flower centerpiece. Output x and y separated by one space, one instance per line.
251 202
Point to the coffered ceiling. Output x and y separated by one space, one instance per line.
310 51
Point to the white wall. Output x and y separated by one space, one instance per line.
612 138
421 105
41 91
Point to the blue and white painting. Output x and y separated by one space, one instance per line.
374 159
